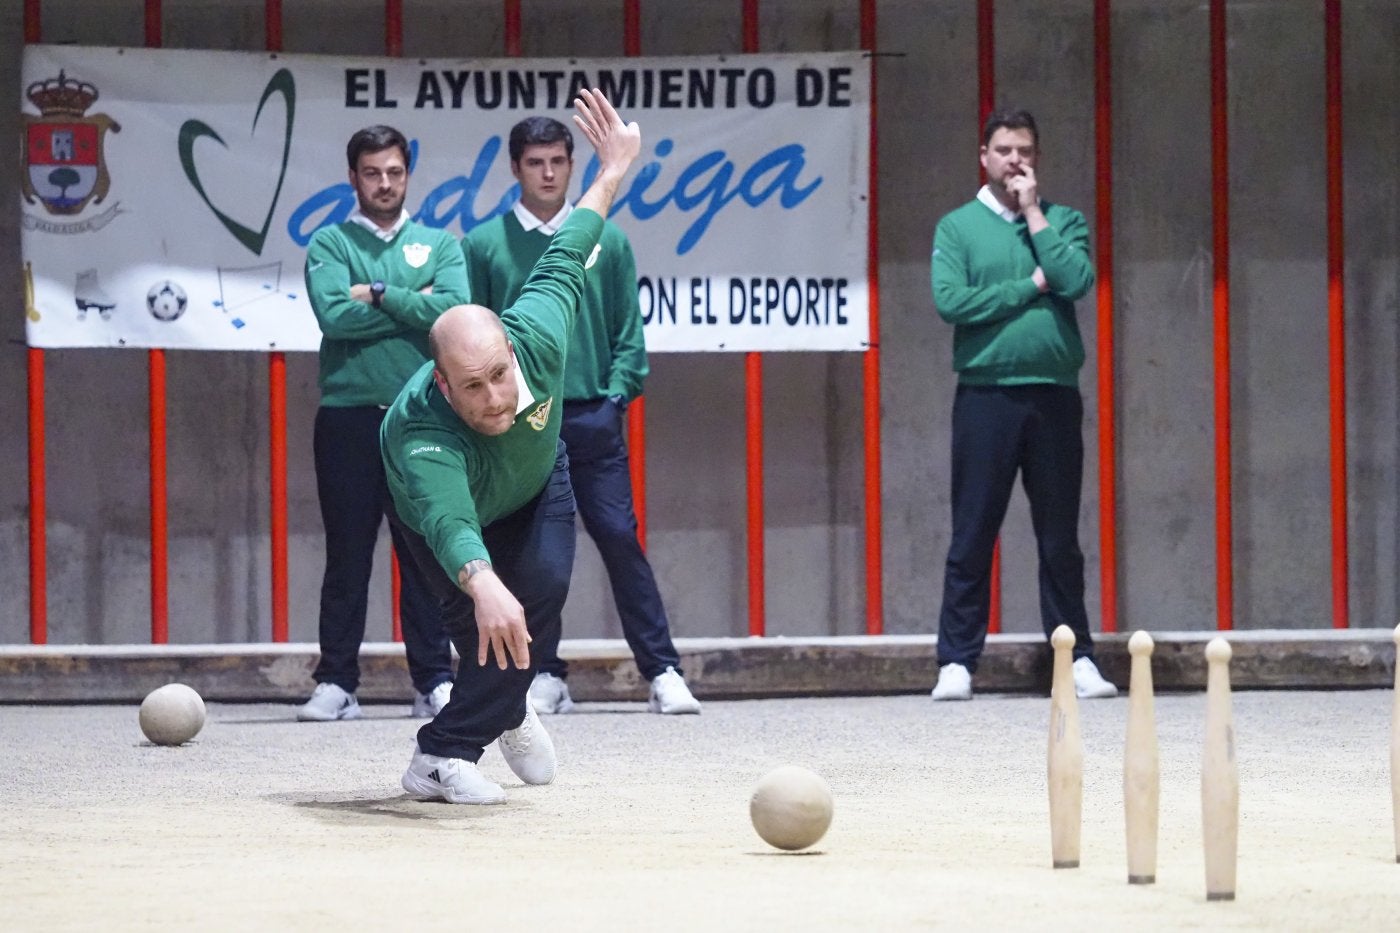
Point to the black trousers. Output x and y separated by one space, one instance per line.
999 431
532 551
354 495
593 433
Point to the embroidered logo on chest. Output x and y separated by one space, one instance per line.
540 416
416 254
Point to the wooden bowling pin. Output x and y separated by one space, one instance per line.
1141 774
1220 781
1395 748
1066 756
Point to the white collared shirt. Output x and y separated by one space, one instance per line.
548 227
526 399
357 216
998 208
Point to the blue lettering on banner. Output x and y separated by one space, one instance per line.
707 185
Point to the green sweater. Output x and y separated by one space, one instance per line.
608 355
448 481
368 352
1006 332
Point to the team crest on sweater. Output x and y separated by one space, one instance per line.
540 416
416 254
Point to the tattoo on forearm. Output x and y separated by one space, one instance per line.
470 569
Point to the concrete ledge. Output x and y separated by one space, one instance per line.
717 668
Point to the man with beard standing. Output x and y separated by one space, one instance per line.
376 282
1008 267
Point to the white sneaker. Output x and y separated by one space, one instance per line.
327 704
428 705
550 694
954 683
670 695
1089 683
529 750
455 780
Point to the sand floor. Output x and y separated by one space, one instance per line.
941 822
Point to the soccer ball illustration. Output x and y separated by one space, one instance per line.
166 300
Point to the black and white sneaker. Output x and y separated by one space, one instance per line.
455 780
329 703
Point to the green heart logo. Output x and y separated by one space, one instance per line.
192 130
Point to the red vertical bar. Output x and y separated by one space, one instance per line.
277 418
512 11
160 614
393 28
160 554
870 370
986 103
272 24
636 412
1103 237
38 532
277 469
986 60
753 420
33 21
395 592
38 537
1336 308
753 448
1220 197
153 24
631 27
637 463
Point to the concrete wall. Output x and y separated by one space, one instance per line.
219 580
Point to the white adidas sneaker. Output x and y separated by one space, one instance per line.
670 695
455 780
428 705
328 703
1089 683
529 750
550 694
954 683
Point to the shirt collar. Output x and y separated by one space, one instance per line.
995 206
526 397
548 227
357 216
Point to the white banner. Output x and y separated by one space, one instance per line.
168 196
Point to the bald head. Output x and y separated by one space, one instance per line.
474 367
462 326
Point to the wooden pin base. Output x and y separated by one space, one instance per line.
1142 879
1220 895
1067 864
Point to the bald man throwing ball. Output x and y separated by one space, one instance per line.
480 485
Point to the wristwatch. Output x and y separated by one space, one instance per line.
376 293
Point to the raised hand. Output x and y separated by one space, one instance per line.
617 143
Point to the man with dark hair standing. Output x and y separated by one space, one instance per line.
480 485
606 366
376 282
1007 269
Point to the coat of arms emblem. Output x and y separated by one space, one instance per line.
64 164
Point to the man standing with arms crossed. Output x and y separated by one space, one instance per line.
480 485
376 282
606 365
1007 269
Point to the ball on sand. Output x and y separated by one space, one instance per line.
791 807
172 715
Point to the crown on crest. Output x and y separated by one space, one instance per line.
62 95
